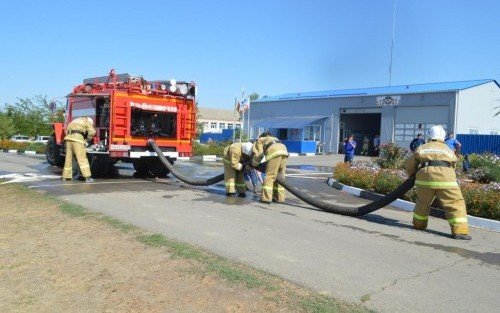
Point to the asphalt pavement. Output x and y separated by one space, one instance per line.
378 259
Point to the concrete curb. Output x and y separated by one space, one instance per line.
408 206
21 152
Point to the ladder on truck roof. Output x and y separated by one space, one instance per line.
120 78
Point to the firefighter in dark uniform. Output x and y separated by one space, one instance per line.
236 155
434 164
78 132
276 155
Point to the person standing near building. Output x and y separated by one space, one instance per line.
366 146
453 144
349 147
78 133
434 164
376 144
416 142
276 156
236 155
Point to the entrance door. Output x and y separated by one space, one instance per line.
282 134
360 125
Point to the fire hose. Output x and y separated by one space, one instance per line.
309 199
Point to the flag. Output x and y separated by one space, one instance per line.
245 104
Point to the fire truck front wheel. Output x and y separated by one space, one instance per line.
53 153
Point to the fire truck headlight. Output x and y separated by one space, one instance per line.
172 88
183 89
163 87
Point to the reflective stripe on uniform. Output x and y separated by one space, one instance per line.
229 184
437 151
275 154
424 183
279 188
457 220
267 188
84 166
420 217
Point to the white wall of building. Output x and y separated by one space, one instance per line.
216 126
476 110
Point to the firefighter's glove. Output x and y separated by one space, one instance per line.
239 167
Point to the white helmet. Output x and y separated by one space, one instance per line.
90 120
437 132
246 148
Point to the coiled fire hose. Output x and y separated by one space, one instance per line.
309 199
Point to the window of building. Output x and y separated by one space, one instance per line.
493 132
473 131
230 126
213 125
408 131
222 125
205 125
238 126
312 132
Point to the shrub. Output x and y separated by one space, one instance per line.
385 182
481 160
392 156
13 145
485 174
485 167
359 177
216 148
481 201
23 146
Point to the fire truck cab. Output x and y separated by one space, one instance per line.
127 111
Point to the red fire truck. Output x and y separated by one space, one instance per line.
127 111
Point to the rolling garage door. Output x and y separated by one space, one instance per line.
409 121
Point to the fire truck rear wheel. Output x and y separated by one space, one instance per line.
53 153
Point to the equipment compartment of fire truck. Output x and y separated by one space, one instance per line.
127 111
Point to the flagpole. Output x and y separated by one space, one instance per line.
243 117
234 118
249 130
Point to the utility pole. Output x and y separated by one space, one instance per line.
392 42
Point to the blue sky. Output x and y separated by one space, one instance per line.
270 47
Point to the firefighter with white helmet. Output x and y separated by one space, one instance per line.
236 156
78 132
276 155
434 164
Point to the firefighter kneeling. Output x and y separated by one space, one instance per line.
434 164
276 156
236 156
78 132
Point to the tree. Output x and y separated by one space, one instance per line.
253 96
7 128
32 116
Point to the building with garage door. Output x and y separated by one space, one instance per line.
318 121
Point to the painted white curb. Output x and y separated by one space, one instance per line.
30 152
210 158
12 151
408 206
293 154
